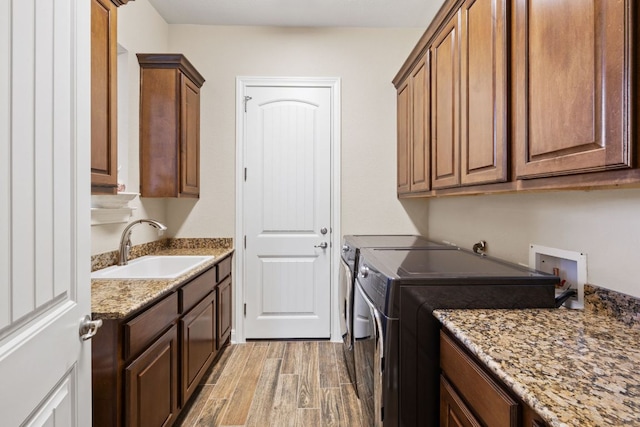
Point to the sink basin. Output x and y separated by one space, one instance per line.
152 267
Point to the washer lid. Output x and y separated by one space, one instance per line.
391 241
416 264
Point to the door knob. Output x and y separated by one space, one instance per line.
88 327
322 245
364 271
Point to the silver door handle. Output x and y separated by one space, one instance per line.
322 245
364 271
88 327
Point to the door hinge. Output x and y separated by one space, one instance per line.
245 309
246 99
245 242
245 174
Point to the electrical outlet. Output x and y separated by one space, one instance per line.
570 266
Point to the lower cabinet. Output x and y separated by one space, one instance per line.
470 396
151 391
453 411
199 343
146 367
224 311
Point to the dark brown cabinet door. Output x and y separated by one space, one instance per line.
420 125
445 110
453 411
483 92
169 126
151 384
224 311
190 138
486 398
104 142
404 125
530 418
199 343
571 86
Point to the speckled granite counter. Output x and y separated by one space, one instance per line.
117 298
575 368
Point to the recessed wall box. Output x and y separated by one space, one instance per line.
570 266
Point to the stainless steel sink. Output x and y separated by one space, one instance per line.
152 267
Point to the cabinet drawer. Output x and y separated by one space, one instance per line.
196 289
140 331
224 268
490 403
453 411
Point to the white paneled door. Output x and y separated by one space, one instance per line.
287 212
45 368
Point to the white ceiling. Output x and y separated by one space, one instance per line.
300 13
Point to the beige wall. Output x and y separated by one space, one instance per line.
604 224
365 59
140 29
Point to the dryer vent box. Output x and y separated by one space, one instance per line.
568 265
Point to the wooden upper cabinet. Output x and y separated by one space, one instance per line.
520 89
420 127
190 111
445 106
458 99
483 92
469 97
404 125
169 126
413 131
572 86
104 142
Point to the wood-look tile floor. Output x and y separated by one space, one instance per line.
276 383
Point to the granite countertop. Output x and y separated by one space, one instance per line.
573 367
118 298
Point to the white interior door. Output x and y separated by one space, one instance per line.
44 212
287 212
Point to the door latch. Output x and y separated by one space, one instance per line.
88 327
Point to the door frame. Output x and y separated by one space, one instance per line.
242 83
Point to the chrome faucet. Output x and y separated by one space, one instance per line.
125 239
